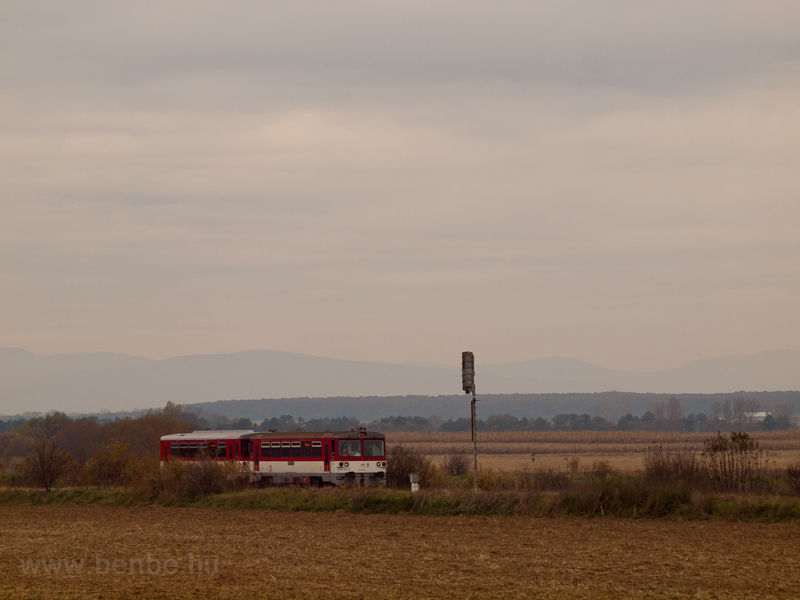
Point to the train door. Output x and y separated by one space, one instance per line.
326 453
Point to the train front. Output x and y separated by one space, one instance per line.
360 459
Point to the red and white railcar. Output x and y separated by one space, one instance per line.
342 458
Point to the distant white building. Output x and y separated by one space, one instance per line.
755 417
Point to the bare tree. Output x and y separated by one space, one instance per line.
784 413
716 410
658 414
784 409
751 407
727 412
45 464
738 411
674 412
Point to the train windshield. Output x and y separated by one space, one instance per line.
373 447
349 448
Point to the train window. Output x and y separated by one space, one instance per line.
203 449
264 449
192 449
296 450
306 449
316 449
286 449
218 449
276 449
373 447
175 447
349 448
184 449
246 447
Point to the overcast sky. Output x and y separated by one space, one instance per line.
612 181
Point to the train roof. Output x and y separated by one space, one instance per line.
222 434
284 435
209 434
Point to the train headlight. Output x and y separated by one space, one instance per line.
347 464
341 464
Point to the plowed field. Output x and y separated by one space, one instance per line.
152 552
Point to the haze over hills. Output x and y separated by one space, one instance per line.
107 381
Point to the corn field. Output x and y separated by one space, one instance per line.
576 442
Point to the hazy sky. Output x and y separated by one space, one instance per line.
612 181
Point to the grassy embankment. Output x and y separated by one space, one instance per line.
615 497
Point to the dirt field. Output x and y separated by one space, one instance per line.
303 555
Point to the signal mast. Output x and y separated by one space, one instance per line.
468 385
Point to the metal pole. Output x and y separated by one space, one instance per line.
474 444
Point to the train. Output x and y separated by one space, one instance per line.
315 458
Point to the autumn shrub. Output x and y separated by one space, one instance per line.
550 479
670 466
109 466
456 464
181 480
793 476
213 477
602 469
539 480
490 480
402 461
734 463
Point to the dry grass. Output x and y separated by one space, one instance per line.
622 449
337 555
778 440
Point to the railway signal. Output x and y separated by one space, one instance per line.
467 372
468 385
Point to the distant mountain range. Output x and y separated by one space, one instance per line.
105 381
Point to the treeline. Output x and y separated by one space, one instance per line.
80 441
84 437
373 408
282 423
739 413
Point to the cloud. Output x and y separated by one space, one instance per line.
540 177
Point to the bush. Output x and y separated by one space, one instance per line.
490 480
667 466
793 476
456 464
550 479
540 480
734 463
177 480
109 466
602 469
402 461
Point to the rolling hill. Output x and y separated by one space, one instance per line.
106 381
